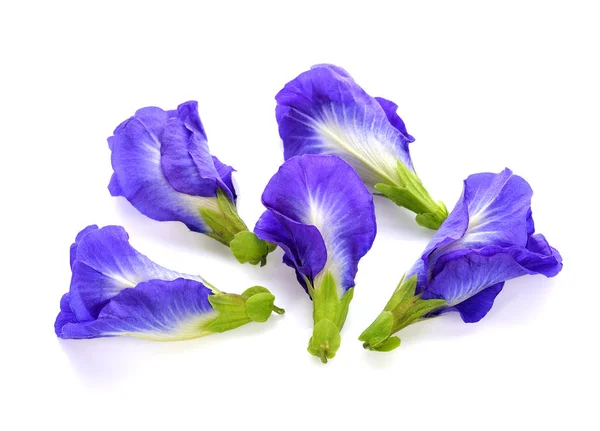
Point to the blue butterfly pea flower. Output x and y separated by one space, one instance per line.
488 238
322 216
115 290
324 111
163 167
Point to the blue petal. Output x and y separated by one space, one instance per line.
498 206
225 173
162 165
155 310
185 158
180 147
104 263
451 230
390 109
303 245
487 239
467 274
314 201
543 259
464 276
323 111
80 235
113 186
65 315
494 209
475 308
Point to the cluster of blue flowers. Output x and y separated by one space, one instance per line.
341 146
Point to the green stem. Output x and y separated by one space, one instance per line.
278 310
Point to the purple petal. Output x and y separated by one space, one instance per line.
104 264
302 244
313 197
157 310
390 109
465 275
323 111
546 259
80 235
538 257
185 157
180 147
469 274
113 186
65 315
494 209
498 206
486 240
453 228
225 173
475 308
162 165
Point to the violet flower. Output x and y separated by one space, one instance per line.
324 111
322 216
115 290
487 239
163 167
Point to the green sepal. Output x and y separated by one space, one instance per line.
329 314
414 311
228 303
254 305
388 345
404 308
379 331
404 291
410 193
433 220
226 322
231 311
325 340
248 248
228 208
253 291
342 312
225 221
229 229
270 246
221 228
402 197
260 306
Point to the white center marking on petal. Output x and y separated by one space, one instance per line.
197 202
372 157
122 280
370 151
315 216
188 328
325 221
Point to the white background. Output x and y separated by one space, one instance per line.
480 86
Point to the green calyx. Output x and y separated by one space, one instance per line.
229 229
404 308
247 247
329 313
254 305
410 193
